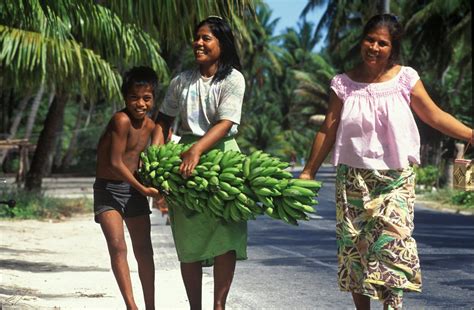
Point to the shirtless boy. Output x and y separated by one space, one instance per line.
118 195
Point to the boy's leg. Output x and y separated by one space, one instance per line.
192 278
111 223
224 266
361 302
140 234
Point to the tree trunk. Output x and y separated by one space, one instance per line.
385 6
46 143
67 159
54 159
34 111
15 124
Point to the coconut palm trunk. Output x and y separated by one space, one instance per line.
46 143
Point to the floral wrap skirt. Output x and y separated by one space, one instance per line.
377 254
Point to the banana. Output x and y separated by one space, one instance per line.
305 191
144 158
258 181
311 184
175 160
200 169
224 195
255 172
229 188
263 191
190 184
233 161
246 167
226 176
282 174
237 182
267 163
209 174
217 211
282 184
214 180
266 201
243 198
292 212
226 212
298 205
255 155
217 202
271 182
218 158
212 154
246 212
173 186
215 167
269 171
232 170
234 212
285 217
271 212
165 186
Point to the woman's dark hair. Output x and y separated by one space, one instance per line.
395 30
139 76
228 58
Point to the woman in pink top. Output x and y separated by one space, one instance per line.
370 124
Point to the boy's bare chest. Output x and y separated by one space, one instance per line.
138 139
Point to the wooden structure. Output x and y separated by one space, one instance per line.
23 146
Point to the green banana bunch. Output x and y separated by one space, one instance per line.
229 185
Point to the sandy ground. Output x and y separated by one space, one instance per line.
65 265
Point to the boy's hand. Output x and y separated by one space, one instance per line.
190 160
152 192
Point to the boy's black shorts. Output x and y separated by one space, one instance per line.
119 196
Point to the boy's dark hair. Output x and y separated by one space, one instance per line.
395 30
229 58
139 76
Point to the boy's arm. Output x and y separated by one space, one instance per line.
212 136
120 127
162 129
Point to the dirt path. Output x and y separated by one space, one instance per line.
65 265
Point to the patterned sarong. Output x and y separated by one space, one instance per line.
376 253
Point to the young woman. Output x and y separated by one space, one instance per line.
208 102
370 124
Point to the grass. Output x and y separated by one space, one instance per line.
37 206
449 198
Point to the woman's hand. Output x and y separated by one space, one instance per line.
306 176
190 160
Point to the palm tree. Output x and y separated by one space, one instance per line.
88 45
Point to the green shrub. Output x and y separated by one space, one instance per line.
36 205
427 176
463 198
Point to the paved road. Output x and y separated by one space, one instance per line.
295 267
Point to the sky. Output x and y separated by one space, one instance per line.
289 12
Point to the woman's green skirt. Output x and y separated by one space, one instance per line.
198 237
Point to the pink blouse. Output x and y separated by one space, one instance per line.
377 129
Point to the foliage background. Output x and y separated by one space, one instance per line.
61 63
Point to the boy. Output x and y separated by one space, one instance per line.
118 195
